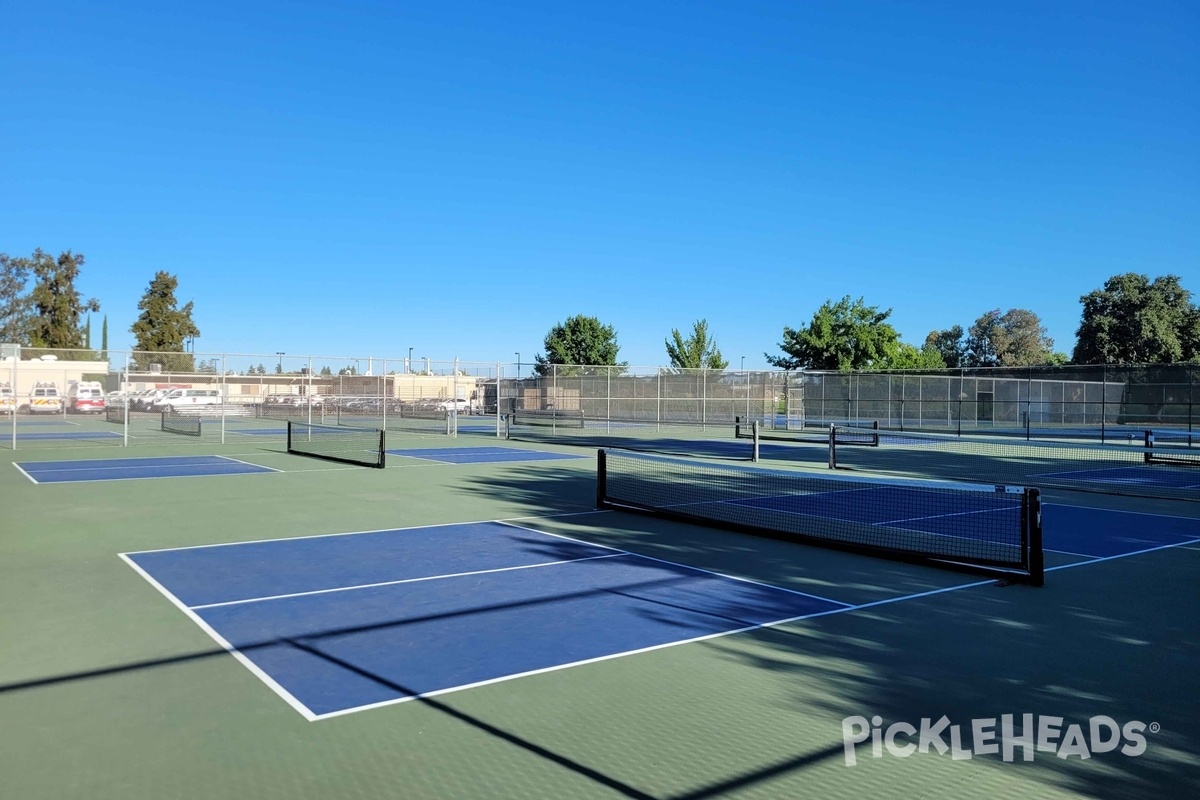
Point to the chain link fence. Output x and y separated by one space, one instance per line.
49 397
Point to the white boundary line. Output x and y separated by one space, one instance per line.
1097 559
113 468
651 648
220 640
143 458
249 464
266 471
400 581
681 566
373 530
1124 510
1069 553
312 717
26 474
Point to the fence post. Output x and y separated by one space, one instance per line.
16 383
125 392
224 398
1104 401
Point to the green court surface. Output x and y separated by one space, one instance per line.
108 690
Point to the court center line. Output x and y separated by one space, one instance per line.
608 657
400 581
951 514
689 567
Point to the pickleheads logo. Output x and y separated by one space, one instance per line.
991 736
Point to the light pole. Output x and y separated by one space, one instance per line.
743 363
410 359
518 365
281 354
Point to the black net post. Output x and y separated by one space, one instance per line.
601 478
1031 510
1148 438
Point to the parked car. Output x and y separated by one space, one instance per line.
8 401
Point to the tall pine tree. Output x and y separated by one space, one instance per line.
163 327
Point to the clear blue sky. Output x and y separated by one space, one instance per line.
361 178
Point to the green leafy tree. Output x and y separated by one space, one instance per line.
350 370
845 335
162 328
57 304
948 344
1134 320
326 371
15 302
697 351
906 356
260 371
1014 338
279 369
104 339
579 340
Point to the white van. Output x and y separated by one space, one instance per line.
45 399
8 401
188 398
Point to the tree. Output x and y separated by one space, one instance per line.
104 339
696 351
57 304
261 370
845 335
579 340
1133 320
163 327
907 356
279 369
949 344
15 302
1015 338
326 371
350 370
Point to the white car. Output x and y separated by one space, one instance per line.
461 405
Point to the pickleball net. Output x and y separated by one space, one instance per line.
686 438
188 425
1141 467
363 446
995 530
